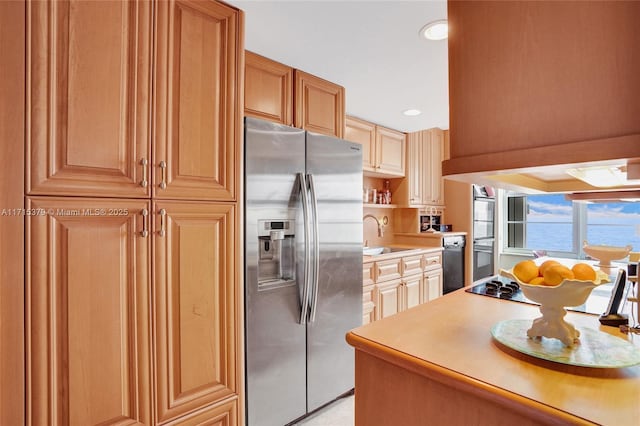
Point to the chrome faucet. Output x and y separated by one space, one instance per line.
380 225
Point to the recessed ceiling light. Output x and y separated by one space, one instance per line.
436 30
412 112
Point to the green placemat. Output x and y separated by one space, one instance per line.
596 348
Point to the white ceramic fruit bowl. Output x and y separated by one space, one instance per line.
553 300
605 254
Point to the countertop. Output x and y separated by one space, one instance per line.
449 340
430 234
411 251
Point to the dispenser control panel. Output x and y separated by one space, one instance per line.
276 253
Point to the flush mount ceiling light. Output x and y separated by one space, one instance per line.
603 176
412 112
436 30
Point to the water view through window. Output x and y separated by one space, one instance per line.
550 222
615 224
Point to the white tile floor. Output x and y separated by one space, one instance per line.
338 413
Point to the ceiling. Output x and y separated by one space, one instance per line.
372 48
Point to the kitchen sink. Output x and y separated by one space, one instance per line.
373 251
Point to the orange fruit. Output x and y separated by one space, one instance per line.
525 270
555 274
547 263
537 281
585 272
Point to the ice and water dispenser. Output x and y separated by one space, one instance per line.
276 253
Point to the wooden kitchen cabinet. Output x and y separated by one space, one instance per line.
133 316
390 151
368 304
89 90
268 90
413 289
383 152
395 284
423 185
195 298
80 146
390 298
319 105
198 53
88 334
432 285
364 133
279 93
433 153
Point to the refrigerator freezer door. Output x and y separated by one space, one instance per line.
275 339
336 169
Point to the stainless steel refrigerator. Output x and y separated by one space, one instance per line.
303 277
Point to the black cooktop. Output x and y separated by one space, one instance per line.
504 288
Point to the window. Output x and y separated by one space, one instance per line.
550 222
614 224
540 222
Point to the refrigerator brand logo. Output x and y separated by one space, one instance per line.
355 148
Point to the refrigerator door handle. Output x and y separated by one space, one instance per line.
316 248
304 303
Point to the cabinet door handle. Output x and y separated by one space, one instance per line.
145 223
163 215
163 169
144 163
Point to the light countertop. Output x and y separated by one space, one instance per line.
450 337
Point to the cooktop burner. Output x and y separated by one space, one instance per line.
504 288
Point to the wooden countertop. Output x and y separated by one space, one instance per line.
449 340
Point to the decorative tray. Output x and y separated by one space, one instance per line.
596 349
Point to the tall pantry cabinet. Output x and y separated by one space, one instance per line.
133 286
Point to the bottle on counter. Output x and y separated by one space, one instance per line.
386 199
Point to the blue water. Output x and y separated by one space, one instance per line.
558 236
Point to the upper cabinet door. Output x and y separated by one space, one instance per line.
88 334
415 169
364 133
433 186
268 89
197 121
196 295
390 155
319 105
88 85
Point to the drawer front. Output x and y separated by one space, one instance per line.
411 265
432 261
368 277
388 270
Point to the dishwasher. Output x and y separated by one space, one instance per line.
452 263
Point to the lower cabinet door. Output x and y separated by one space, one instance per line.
87 303
413 289
368 304
195 298
432 285
389 298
